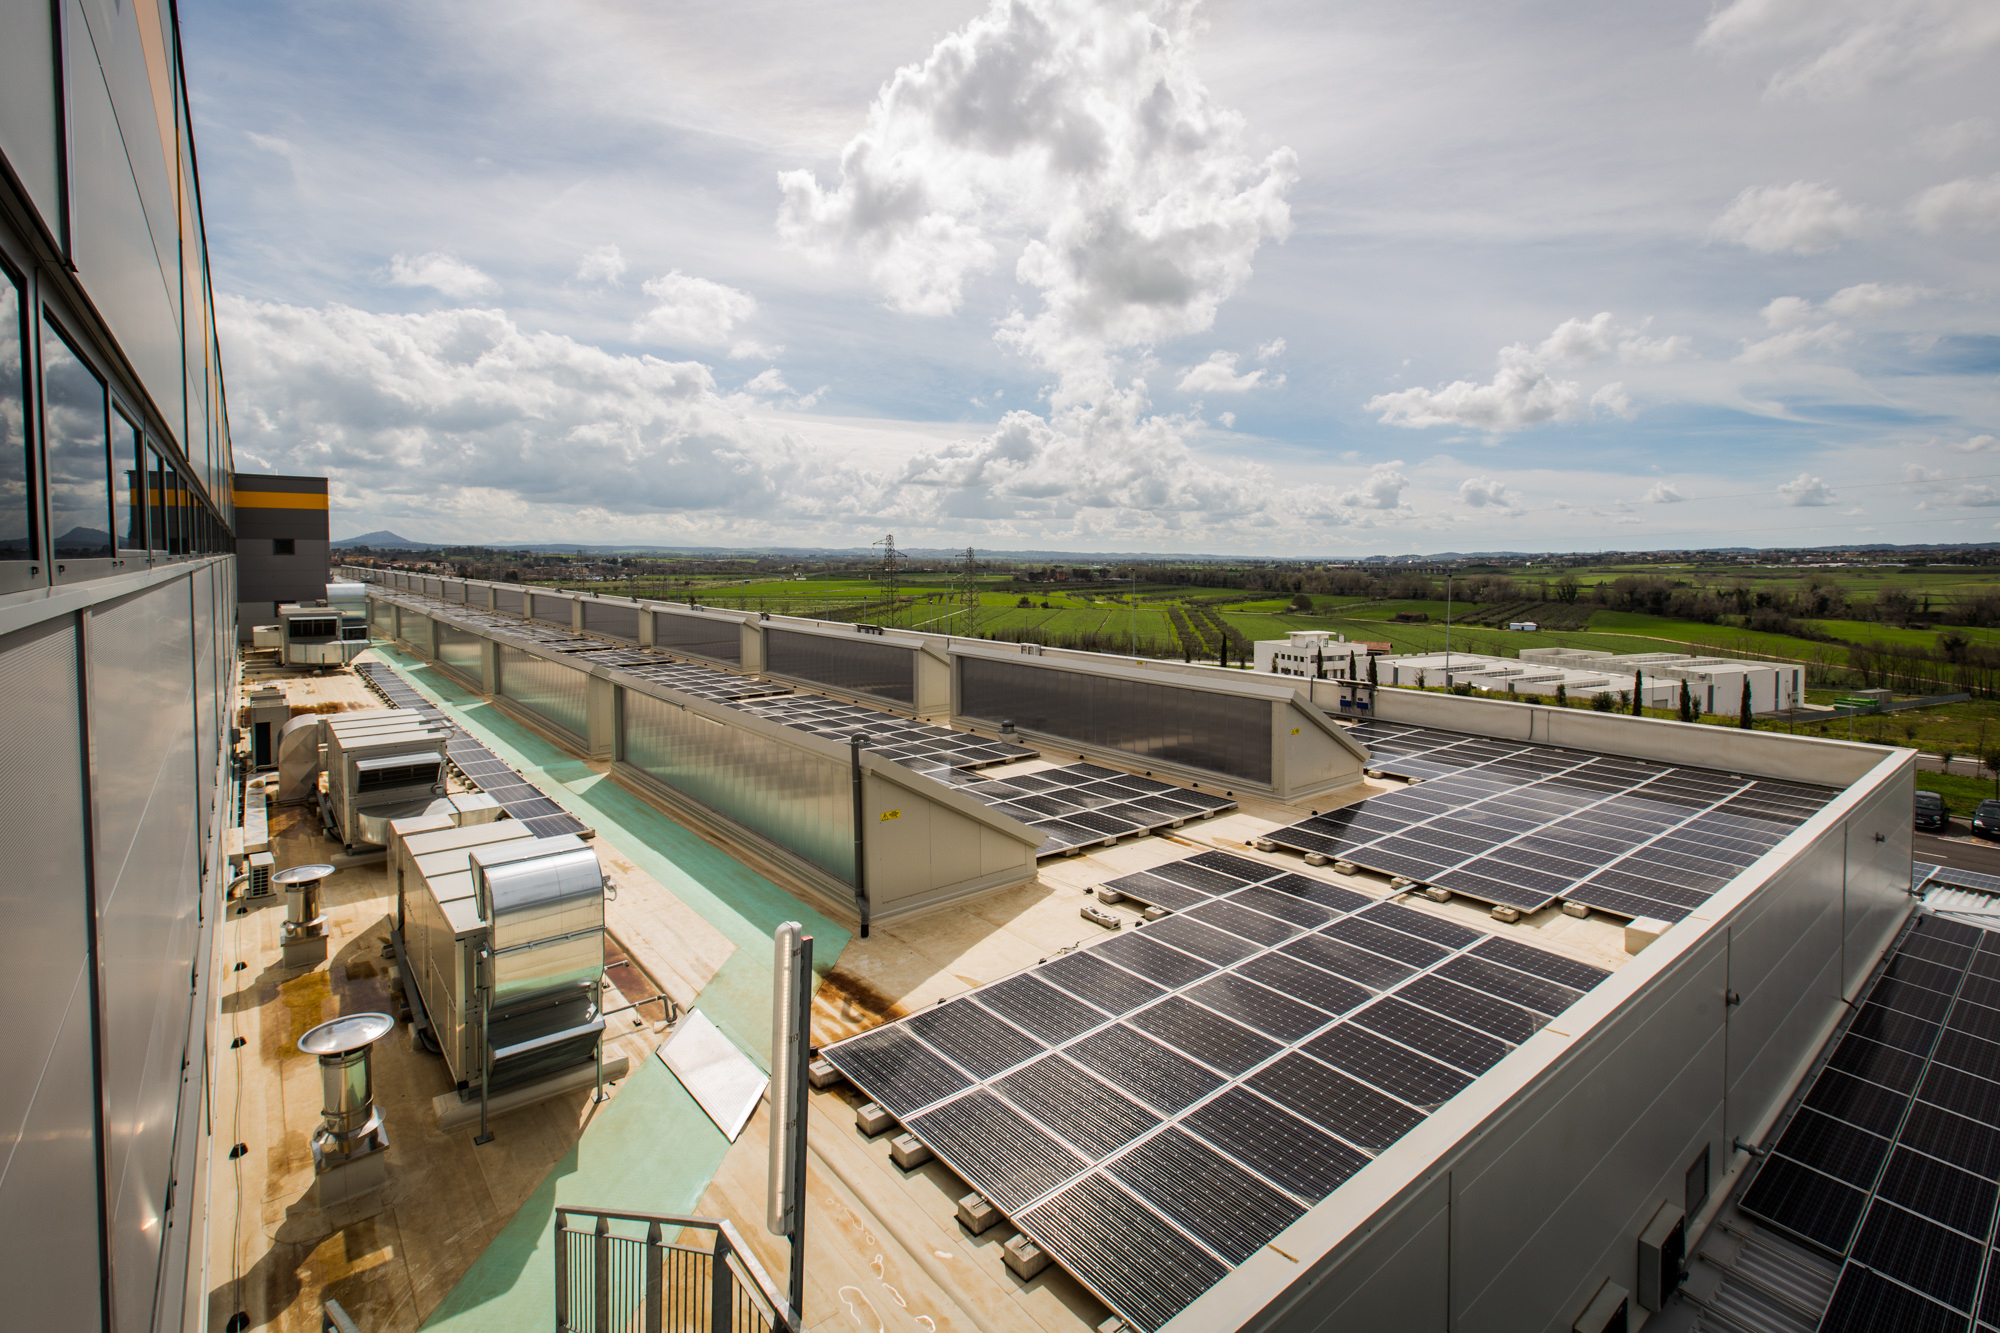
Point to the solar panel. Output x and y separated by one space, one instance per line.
1246 1047
1137 1264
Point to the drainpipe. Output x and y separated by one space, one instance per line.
860 834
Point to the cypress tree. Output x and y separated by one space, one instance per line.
1371 671
1743 720
1562 696
1638 694
1687 703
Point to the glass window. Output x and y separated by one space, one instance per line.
17 511
128 460
156 501
178 502
76 451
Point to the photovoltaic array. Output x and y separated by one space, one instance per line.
520 798
1154 1109
1523 826
1891 1160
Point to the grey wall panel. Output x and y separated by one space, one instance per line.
382 618
858 665
610 618
1401 1276
509 600
1147 719
208 709
546 609
799 800
553 692
699 635
48 1126
28 108
132 284
145 847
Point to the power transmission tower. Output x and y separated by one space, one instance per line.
968 591
891 573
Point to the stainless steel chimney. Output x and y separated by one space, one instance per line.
350 1123
303 932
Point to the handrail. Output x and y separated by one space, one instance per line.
729 1252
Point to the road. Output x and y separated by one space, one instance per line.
1959 855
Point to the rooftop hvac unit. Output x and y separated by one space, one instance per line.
379 768
319 635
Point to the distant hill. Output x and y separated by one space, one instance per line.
386 540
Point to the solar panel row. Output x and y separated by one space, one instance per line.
1892 1161
1521 825
1185 1090
520 798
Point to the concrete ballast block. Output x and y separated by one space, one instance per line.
872 1118
1576 910
1024 1257
976 1214
1098 916
908 1152
822 1074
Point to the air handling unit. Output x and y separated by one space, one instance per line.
379 766
319 635
501 946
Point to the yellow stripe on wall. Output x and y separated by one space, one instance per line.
278 500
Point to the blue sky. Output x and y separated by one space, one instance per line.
1260 277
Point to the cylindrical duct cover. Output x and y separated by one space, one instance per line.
347 1088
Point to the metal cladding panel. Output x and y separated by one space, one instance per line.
549 690
145 847
509 600
859 665
800 800
1174 724
207 707
703 637
620 622
48 1135
458 648
114 244
28 106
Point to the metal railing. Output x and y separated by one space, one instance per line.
682 1275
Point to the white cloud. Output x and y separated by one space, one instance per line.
1228 420
604 263
463 415
1660 493
1803 218
1614 399
1580 340
1946 492
440 272
1844 47
1271 350
1874 298
694 312
1806 490
1785 312
1784 346
1521 393
1979 444
1218 375
1968 203
1079 133
1948 141
1637 349
1383 488
1486 492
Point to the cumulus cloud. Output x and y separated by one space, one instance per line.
1979 444
1271 350
1218 375
604 263
1521 393
1612 398
1794 341
1580 340
464 412
1839 48
1382 489
1806 490
1967 204
1660 493
440 272
694 312
1943 492
1076 133
1637 349
1803 218
1874 298
1785 312
1486 492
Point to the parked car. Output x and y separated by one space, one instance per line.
1986 819
1931 813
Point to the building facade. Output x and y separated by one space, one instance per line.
282 544
117 633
